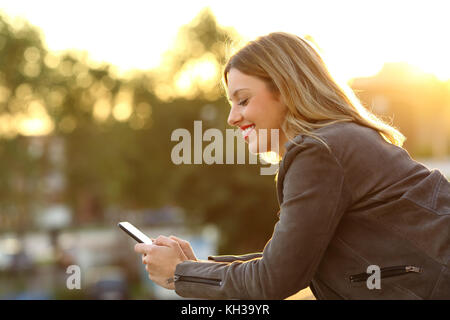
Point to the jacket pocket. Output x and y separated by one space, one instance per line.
386 273
202 280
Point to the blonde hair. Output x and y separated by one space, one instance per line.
292 68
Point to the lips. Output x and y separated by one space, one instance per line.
246 130
246 126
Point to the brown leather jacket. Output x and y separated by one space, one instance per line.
364 203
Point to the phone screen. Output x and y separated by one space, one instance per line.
134 232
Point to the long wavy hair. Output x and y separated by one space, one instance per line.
292 68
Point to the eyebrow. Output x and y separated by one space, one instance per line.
236 91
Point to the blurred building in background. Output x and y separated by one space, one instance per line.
34 265
415 102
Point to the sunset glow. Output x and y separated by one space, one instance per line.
355 38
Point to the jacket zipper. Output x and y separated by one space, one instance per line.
214 282
386 272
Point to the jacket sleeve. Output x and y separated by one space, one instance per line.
314 200
232 258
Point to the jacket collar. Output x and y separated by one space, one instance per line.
297 140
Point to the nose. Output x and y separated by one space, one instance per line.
235 116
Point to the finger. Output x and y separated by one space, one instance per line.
148 260
185 246
162 244
180 241
142 248
164 241
183 243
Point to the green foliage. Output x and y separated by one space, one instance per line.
125 164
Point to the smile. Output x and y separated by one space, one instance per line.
247 130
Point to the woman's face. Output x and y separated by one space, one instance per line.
255 107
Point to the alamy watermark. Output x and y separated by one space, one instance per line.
74 280
220 150
374 280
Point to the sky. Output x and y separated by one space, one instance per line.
356 37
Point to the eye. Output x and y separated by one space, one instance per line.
243 102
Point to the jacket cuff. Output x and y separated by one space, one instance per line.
232 258
204 280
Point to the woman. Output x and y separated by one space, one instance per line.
351 199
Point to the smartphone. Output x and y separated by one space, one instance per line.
134 232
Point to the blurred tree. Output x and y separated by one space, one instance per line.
117 134
20 94
235 197
192 68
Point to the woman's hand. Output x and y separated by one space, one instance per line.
186 247
161 259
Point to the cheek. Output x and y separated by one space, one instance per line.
277 114
252 112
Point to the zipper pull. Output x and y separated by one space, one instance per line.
175 278
413 269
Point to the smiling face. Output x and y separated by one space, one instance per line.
255 107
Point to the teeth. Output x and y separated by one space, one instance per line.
247 130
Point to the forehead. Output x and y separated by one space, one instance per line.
238 80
